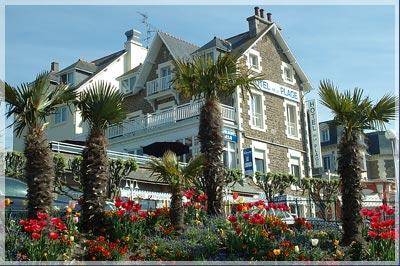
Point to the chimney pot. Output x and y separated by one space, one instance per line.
262 13
257 11
269 17
54 67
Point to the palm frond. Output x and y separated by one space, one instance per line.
101 105
383 111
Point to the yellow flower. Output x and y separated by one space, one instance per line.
277 252
127 238
296 249
336 242
69 210
72 238
339 253
7 202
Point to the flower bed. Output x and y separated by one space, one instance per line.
252 232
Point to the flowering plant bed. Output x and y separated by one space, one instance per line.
250 233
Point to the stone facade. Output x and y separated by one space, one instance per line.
274 132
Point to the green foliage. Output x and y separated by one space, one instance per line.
101 105
203 78
31 103
233 176
273 183
322 191
15 163
119 169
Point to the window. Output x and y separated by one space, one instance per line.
295 166
60 115
326 163
288 74
128 84
259 161
254 61
291 117
229 156
68 78
165 80
256 111
210 56
324 134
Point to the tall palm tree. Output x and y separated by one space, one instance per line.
355 113
202 78
169 170
31 104
100 105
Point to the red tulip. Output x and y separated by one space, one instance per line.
235 195
232 218
372 234
53 235
35 236
42 216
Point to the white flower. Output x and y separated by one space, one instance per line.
76 219
296 249
314 242
71 238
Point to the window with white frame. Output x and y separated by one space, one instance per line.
128 84
68 78
326 160
60 115
259 161
229 155
254 61
291 119
325 134
288 73
295 169
257 111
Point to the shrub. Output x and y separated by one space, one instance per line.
101 249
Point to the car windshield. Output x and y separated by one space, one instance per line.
15 188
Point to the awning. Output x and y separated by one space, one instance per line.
158 149
144 194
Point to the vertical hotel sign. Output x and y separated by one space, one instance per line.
314 133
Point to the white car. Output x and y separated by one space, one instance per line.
283 215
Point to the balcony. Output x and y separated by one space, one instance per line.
159 85
166 117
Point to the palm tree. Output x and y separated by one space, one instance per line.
169 170
30 104
202 78
355 113
100 105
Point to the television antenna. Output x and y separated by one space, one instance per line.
150 29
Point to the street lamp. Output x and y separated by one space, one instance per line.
390 134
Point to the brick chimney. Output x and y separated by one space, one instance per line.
257 22
55 67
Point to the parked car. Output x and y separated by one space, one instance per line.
16 191
285 216
319 223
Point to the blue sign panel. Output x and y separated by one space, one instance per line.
229 134
248 161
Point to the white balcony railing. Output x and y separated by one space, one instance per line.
159 84
168 116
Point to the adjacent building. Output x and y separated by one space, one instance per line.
378 167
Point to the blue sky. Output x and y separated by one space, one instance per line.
351 45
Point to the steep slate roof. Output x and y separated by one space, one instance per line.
179 48
218 43
80 64
133 70
243 41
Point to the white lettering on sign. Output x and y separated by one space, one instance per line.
277 89
314 134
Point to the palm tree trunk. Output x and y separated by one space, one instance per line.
39 172
349 169
212 143
94 172
176 213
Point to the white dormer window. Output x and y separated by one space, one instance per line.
288 73
68 78
128 84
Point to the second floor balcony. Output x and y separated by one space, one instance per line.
166 117
159 85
